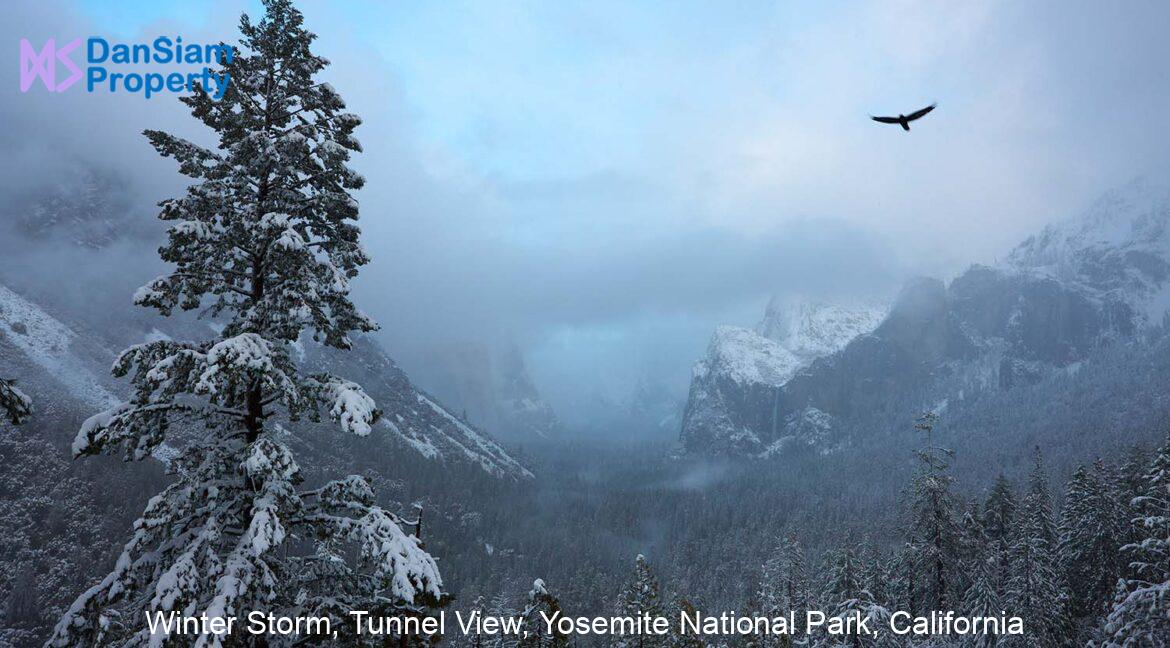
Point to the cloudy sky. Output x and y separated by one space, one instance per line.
603 182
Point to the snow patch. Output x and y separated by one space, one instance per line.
47 342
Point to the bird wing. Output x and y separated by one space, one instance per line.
920 113
885 120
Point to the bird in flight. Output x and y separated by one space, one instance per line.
904 120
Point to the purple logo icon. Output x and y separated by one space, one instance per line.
43 64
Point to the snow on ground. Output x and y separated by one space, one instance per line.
483 450
419 442
47 342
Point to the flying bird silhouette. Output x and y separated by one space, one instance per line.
904 120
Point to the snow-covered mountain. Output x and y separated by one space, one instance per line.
1118 249
59 334
810 329
1080 288
73 366
730 408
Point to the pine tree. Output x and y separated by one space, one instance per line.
982 595
999 511
500 605
904 579
783 582
641 596
1034 592
973 547
875 575
934 535
1089 537
1131 485
535 633
999 518
264 241
847 597
982 598
1141 609
14 403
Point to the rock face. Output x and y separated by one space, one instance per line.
732 406
1078 287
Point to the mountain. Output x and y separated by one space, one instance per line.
731 406
73 366
1118 250
1084 287
65 328
490 385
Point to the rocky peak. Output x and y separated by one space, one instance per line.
731 405
810 329
1116 250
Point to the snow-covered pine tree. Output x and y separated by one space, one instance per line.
844 574
973 546
535 634
641 596
903 587
999 518
982 594
500 605
875 574
934 534
982 598
1088 540
1141 609
1034 589
264 240
14 403
783 582
845 596
1130 485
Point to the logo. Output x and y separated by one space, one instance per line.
109 66
43 65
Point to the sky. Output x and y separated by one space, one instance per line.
601 183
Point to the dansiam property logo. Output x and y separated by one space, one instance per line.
164 65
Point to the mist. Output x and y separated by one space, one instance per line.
601 184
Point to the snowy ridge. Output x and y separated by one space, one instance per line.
792 334
47 343
1132 216
475 446
1081 287
731 407
1118 249
744 356
812 329
420 443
